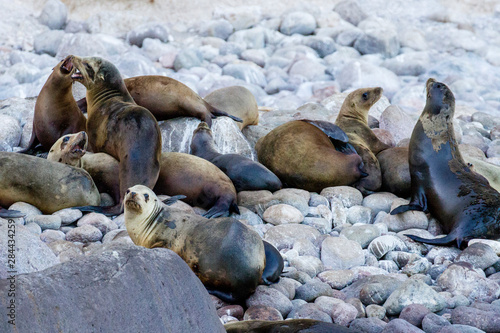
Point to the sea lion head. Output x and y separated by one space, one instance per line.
358 103
202 138
62 72
96 74
140 201
440 99
69 149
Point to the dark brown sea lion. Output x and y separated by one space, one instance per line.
71 149
226 255
353 120
167 98
56 112
463 202
395 171
310 155
203 184
237 101
47 185
119 127
245 174
285 326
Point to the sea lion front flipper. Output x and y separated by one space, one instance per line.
274 264
105 210
418 203
173 199
333 131
216 211
82 104
7 213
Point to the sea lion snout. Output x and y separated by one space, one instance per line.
67 65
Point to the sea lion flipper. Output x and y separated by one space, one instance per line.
216 211
333 131
274 264
82 104
217 113
173 199
436 241
7 213
105 210
405 208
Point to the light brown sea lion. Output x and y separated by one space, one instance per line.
395 171
245 174
119 127
203 184
71 149
310 155
463 202
56 112
49 186
167 98
353 120
285 326
237 101
226 255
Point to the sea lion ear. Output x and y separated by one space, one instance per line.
100 76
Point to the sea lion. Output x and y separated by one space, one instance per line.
167 98
463 202
395 171
285 326
56 112
71 149
353 120
245 174
49 186
237 101
119 127
274 264
226 255
310 155
203 184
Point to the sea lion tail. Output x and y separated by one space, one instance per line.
218 113
174 199
436 241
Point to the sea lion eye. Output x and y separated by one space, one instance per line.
66 139
146 197
365 96
128 191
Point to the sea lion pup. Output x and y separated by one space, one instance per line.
56 112
225 254
237 101
167 98
310 155
353 120
285 326
47 185
119 127
245 174
71 149
463 202
203 184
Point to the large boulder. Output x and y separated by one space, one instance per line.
124 288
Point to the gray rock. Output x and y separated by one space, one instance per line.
99 281
377 290
317 200
86 45
218 28
398 122
262 312
322 225
350 11
298 23
307 264
310 69
337 279
411 63
494 149
286 286
49 236
400 325
26 208
312 290
100 221
10 131
334 255
359 214
247 216
478 255
48 42
66 251
311 311
251 38
322 45
68 215
432 323
388 265
188 58
380 36
247 72
461 279
414 292
249 199
282 214
375 311
448 253
358 305
383 244
153 30
460 329
488 321
362 234
347 194
31 253
343 313
325 303
231 48
414 314
46 221
257 56
34 228
84 234
378 202
270 297
240 17
368 325
54 14
289 198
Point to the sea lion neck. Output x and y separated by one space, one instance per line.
203 145
101 93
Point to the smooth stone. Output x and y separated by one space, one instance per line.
48 42
495 245
54 14
414 314
84 234
308 264
10 131
400 325
375 311
49 236
188 58
45 221
383 244
322 225
460 329
246 71
325 303
359 214
283 236
282 214
262 312
343 313
34 228
388 265
152 30
322 45
311 311
247 216
444 252
240 17
432 323
377 292
249 199
368 325
362 234
411 63
351 11
488 321
286 286
220 28
380 36
65 250
298 23
347 194
358 305
377 202
334 255
100 221
231 310
399 123
337 279
478 255
312 290
26 208
270 297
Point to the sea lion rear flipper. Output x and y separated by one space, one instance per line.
274 264
436 241
418 203
106 210
405 208
82 104
7 213
216 211
173 199
217 113
333 131
30 150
